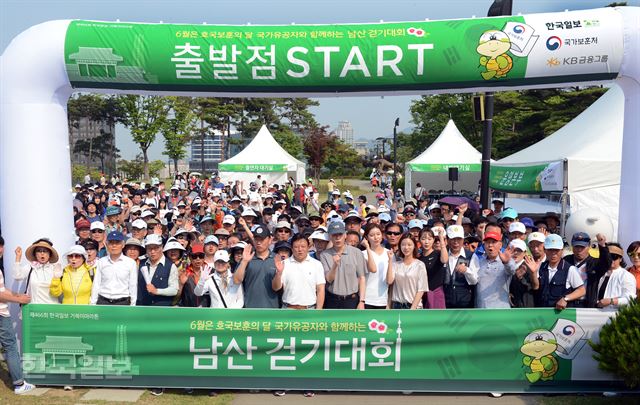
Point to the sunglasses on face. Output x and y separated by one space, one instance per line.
283 230
97 231
394 233
222 237
42 250
632 255
197 256
74 256
615 257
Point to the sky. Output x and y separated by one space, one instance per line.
371 117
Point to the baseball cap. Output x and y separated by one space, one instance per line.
206 218
434 206
153 239
83 224
553 241
261 231
353 216
528 222
343 208
518 244
509 213
495 235
222 256
229 219
115 236
282 245
197 248
113 210
97 225
536 236
140 224
581 239
173 244
455 231
384 217
319 235
283 224
221 231
248 212
517 227
211 239
415 223
336 227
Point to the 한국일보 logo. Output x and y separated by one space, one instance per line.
554 43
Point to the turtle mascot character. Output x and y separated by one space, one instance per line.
537 348
493 47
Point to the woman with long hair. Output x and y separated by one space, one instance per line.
408 276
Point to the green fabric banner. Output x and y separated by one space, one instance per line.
433 168
462 350
226 167
533 179
421 55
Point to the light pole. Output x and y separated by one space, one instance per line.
395 156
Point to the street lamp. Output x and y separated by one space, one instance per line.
395 156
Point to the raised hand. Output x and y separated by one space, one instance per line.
279 264
57 271
247 253
365 244
531 264
507 254
337 259
18 254
462 208
602 240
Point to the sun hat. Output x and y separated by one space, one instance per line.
30 253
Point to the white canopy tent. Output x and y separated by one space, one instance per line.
431 167
262 156
583 158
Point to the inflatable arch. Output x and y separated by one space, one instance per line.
43 66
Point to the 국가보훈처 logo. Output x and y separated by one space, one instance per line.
554 43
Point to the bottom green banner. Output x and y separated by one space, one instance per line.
517 350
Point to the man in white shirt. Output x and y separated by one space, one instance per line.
223 290
301 277
116 278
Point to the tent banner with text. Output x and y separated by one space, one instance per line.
529 350
578 46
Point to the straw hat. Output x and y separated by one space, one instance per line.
43 243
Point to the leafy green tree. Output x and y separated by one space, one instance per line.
179 128
145 116
291 142
98 147
342 159
296 112
133 169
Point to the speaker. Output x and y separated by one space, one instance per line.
453 174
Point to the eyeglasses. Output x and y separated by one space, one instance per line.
394 233
632 255
284 230
42 250
74 256
197 256
97 231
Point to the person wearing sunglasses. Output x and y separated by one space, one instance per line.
617 286
189 278
392 232
74 282
98 233
633 251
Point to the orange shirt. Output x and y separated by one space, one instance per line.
636 273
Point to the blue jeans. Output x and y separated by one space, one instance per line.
11 354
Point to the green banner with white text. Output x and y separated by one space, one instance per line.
227 167
402 56
532 179
437 167
531 350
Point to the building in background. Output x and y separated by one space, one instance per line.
92 144
345 132
216 149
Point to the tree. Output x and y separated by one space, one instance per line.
316 147
291 142
342 159
179 128
134 169
296 111
145 116
97 147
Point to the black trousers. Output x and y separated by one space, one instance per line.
117 301
333 301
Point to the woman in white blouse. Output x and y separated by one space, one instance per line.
222 289
43 260
617 286
407 275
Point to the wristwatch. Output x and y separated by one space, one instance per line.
361 300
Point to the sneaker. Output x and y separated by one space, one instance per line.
279 393
496 394
24 388
309 394
68 388
157 391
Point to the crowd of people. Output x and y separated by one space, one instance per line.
207 243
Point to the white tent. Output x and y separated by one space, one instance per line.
262 156
431 167
583 157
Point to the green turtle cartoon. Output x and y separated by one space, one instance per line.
493 47
538 347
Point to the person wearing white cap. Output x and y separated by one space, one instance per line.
517 230
158 276
461 279
98 234
139 229
211 243
535 242
224 291
558 282
229 223
521 287
74 282
320 240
